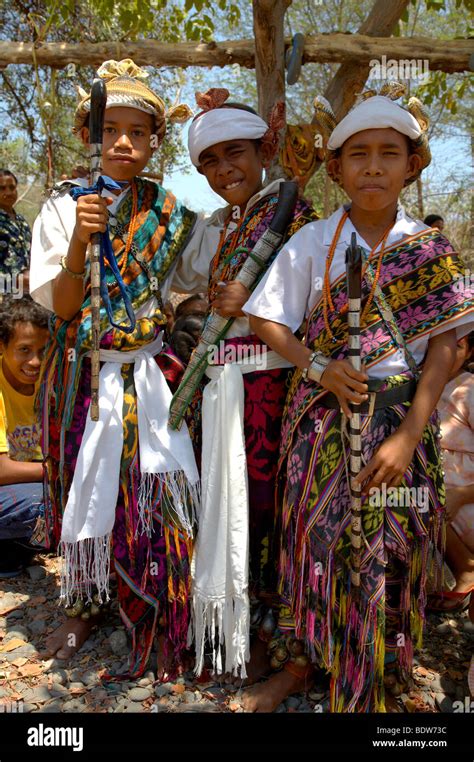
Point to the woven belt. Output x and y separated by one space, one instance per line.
377 400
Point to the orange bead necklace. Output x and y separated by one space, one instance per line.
327 299
132 229
217 271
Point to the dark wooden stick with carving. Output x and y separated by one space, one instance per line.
96 126
354 274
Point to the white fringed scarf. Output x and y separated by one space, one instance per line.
220 602
165 456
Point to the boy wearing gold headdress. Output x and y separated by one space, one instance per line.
412 313
123 485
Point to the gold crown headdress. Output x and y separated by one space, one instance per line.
125 88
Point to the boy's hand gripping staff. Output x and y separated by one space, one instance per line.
354 273
216 326
96 128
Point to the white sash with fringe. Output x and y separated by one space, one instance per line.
165 456
221 555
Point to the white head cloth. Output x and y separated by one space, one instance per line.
374 113
221 124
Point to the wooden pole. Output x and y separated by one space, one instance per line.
444 55
268 26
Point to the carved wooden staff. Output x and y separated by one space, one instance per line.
96 126
354 274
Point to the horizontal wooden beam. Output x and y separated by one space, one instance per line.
445 55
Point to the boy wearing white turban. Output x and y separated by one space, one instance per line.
412 313
240 407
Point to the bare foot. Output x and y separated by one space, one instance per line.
161 671
68 638
391 704
165 670
258 666
464 581
266 696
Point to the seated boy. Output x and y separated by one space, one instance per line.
23 336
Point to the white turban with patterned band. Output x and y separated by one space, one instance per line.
217 125
374 113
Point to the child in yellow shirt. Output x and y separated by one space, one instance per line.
23 336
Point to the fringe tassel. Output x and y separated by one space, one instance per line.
358 666
225 623
85 569
180 499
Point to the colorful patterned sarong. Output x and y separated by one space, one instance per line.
419 279
153 572
265 393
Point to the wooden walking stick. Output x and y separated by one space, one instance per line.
354 274
96 126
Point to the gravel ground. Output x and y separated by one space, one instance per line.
29 612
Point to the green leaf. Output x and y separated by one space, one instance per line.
126 17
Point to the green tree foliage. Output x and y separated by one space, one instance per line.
38 105
38 102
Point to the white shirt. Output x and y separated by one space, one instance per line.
293 285
52 233
192 271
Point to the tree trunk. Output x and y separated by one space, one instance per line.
268 25
327 196
351 77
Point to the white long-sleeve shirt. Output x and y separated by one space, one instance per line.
293 285
54 226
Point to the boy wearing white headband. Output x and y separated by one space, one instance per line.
412 313
231 145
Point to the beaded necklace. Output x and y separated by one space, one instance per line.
132 228
327 299
218 269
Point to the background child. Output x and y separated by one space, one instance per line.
15 236
456 410
410 315
23 337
